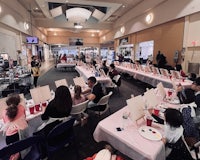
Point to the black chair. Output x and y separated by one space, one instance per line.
59 136
21 145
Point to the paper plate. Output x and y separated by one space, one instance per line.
174 101
150 133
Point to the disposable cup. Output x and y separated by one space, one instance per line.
169 93
156 111
31 109
44 104
37 107
149 121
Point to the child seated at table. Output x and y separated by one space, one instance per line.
15 120
174 144
78 97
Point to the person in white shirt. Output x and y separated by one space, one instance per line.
175 147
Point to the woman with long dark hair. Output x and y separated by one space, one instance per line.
60 106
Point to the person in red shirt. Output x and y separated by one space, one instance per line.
64 58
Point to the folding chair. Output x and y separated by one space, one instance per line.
103 105
59 136
78 111
21 145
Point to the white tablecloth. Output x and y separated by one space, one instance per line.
129 141
86 73
151 78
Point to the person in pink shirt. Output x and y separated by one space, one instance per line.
14 118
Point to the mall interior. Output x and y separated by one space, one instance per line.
98 30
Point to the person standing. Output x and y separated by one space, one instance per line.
35 69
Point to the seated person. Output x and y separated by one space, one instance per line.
187 109
56 111
78 97
104 67
96 92
112 73
174 145
14 118
64 58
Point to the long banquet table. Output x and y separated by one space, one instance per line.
86 73
129 141
151 78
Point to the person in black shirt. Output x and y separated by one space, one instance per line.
96 92
60 106
104 67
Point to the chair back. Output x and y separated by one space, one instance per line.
21 145
60 135
104 100
79 108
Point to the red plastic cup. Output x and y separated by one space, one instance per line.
37 107
44 104
183 79
31 109
169 93
170 76
149 121
156 111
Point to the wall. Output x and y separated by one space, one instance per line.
62 37
9 42
191 34
12 18
167 38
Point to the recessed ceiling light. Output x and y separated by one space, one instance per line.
36 8
123 6
0 9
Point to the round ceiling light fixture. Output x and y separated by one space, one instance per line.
149 18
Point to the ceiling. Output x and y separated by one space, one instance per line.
112 11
